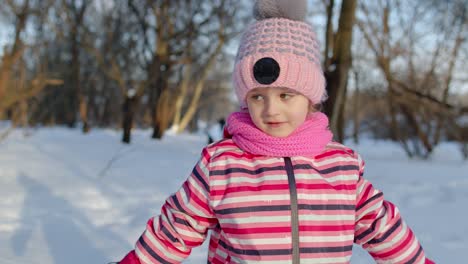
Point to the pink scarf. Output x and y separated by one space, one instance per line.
309 139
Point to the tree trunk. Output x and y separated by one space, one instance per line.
338 77
356 115
448 81
192 108
129 109
413 122
12 57
156 114
4 76
77 97
164 115
183 88
24 117
84 114
75 93
329 34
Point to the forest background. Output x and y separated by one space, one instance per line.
395 69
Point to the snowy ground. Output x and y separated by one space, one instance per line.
63 203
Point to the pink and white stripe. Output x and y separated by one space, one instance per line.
245 200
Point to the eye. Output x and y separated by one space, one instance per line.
286 95
256 97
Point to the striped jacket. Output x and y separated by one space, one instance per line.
278 210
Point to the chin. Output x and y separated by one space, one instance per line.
279 135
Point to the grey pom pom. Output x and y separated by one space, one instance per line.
289 9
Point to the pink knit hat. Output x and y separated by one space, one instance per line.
279 50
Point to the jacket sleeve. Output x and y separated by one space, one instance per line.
184 222
130 258
380 230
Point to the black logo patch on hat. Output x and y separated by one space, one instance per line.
266 71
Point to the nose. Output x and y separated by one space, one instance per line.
270 107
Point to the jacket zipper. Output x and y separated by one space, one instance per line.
294 210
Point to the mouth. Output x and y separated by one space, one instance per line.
274 124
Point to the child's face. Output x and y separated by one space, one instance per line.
277 111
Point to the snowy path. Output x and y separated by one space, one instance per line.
59 205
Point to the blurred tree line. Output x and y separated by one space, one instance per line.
116 63
395 69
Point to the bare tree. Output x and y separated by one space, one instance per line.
178 38
338 61
200 62
118 60
75 12
18 81
418 89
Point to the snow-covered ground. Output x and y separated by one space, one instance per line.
67 198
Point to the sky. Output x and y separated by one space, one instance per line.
74 198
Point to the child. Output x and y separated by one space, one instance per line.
277 190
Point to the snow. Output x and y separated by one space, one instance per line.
69 198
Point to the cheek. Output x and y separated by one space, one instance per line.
254 114
300 115
254 109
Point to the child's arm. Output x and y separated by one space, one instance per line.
183 224
381 230
130 258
